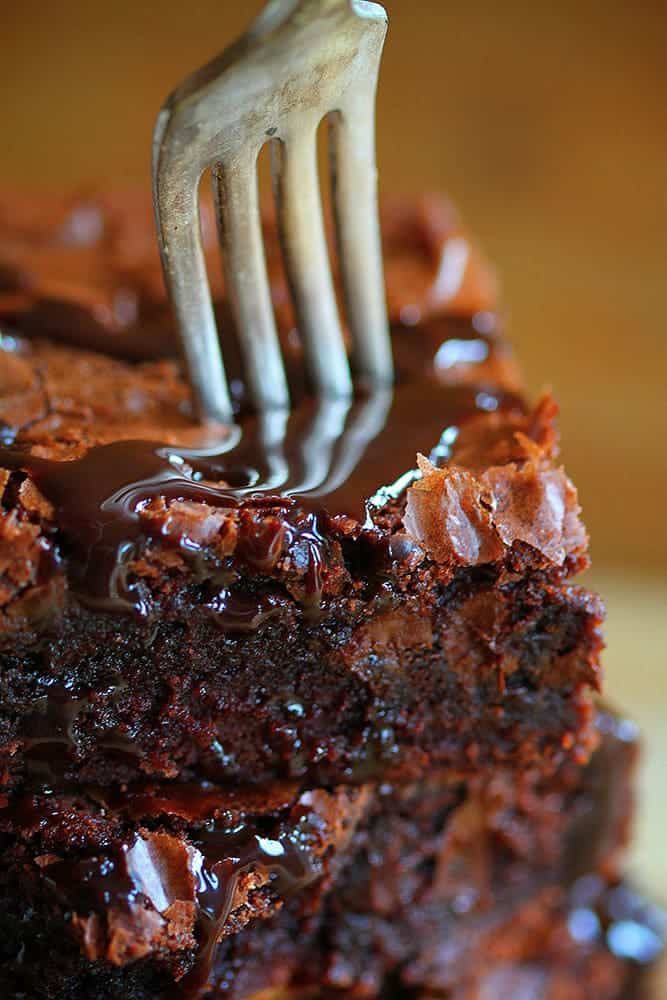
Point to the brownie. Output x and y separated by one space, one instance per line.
361 589
126 892
301 707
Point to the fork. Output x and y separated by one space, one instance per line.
300 61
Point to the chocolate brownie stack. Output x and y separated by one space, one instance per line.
301 707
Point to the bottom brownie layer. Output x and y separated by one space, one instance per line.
596 941
431 886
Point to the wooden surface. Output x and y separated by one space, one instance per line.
548 124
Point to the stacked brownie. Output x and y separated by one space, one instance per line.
304 706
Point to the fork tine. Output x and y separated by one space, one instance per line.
354 175
307 261
176 197
237 204
300 61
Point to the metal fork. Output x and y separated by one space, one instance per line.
300 61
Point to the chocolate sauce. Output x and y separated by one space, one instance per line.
158 869
287 859
324 459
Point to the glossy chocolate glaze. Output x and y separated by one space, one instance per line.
324 459
84 271
224 858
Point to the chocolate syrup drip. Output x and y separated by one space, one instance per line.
48 734
324 459
287 859
157 871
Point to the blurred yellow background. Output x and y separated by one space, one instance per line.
548 124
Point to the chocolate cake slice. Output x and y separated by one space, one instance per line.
167 889
350 590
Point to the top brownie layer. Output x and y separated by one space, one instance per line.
162 581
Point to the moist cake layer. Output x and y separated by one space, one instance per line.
297 595
150 879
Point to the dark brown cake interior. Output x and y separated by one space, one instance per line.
341 888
